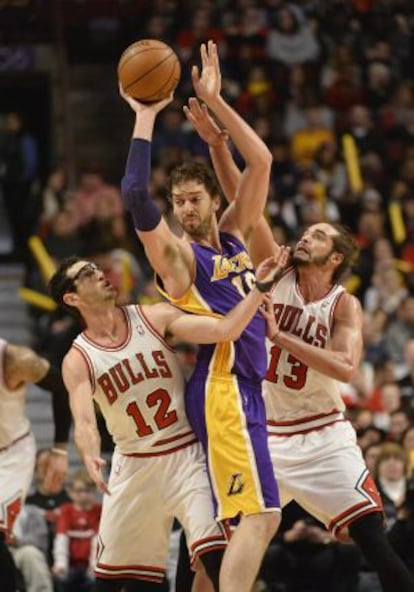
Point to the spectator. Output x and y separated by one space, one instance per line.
75 549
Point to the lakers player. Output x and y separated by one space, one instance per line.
123 362
208 271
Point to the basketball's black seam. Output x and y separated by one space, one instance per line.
160 89
149 71
135 53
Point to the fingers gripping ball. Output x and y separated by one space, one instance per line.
149 70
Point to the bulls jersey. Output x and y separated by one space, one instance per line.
139 388
13 421
222 280
297 397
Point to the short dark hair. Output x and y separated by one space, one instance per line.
344 243
195 171
60 284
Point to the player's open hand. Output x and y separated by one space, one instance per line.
56 468
207 85
272 268
94 465
204 124
141 108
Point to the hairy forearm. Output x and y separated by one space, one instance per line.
232 326
334 364
226 170
87 439
248 143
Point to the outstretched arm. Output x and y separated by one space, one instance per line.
253 184
203 329
169 256
87 438
23 365
260 241
342 359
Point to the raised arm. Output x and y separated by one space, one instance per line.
203 329
342 359
23 365
260 241
87 438
169 256
253 185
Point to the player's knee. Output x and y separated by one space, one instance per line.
263 526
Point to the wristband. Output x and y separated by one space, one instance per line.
60 451
264 287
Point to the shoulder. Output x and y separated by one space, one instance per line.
348 309
160 315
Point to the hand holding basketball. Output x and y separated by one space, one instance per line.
149 71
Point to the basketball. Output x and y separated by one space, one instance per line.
149 70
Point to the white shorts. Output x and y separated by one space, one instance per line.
16 473
136 520
325 473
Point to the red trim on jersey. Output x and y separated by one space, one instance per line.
151 327
302 419
306 302
88 363
286 271
333 308
155 568
173 438
127 339
162 453
307 431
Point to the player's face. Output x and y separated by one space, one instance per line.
315 246
90 282
194 207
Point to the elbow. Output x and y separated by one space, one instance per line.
263 160
229 334
346 372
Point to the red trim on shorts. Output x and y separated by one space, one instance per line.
314 429
124 572
173 438
337 529
162 453
15 441
302 419
219 543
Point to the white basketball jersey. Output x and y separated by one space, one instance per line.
139 388
13 421
297 397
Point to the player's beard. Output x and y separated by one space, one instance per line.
201 230
318 261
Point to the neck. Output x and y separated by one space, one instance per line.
314 283
104 325
210 239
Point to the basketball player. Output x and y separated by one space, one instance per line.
123 361
316 341
19 365
208 270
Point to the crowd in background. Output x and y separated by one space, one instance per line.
303 74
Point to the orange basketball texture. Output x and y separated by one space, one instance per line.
149 70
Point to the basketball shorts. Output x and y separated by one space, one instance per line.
136 521
324 471
16 473
228 416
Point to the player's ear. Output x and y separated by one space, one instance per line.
70 298
337 258
216 203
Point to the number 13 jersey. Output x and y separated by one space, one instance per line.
139 388
299 398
